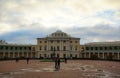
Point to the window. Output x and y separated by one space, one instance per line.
87 48
1 47
110 48
51 48
91 48
70 47
45 41
105 48
61 34
58 41
57 48
29 48
40 41
75 47
64 48
101 48
40 56
15 48
64 41
6 48
115 48
25 48
82 49
75 55
20 48
11 48
51 41
70 55
70 41
40 48
64 55
45 47
75 41
33 48
55 34
57 55
45 55
96 48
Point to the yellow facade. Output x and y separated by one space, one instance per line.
63 45
59 42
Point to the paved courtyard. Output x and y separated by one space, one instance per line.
73 69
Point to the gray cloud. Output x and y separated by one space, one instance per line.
97 33
38 18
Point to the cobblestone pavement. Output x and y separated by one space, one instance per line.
73 69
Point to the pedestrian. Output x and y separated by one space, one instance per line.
65 59
27 60
16 59
58 63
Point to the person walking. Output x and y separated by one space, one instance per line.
65 59
16 59
58 63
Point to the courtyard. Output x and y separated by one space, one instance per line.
71 69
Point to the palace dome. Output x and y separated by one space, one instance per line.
59 33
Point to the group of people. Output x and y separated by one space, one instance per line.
57 62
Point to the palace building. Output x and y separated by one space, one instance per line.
63 45
102 50
60 43
17 50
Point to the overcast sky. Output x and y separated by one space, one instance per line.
22 21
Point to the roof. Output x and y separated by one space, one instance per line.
59 33
17 44
104 43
